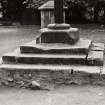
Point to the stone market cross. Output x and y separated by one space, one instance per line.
54 55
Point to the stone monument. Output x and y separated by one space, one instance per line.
57 48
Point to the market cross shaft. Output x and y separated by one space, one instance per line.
58 11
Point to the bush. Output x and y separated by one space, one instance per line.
86 10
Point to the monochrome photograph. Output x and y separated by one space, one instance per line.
52 52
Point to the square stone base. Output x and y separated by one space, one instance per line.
67 36
81 47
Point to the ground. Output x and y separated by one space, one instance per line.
13 36
72 95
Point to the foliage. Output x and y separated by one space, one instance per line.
77 9
89 9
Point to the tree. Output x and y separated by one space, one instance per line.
13 9
91 10
4 4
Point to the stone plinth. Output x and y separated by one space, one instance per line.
82 53
59 34
95 58
51 68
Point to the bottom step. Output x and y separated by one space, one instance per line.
47 76
88 69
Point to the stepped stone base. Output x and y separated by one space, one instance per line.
57 56
44 54
87 54
14 74
81 47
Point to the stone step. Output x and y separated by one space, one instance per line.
22 75
97 47
95 58
103 71
43 58
81 47
43 68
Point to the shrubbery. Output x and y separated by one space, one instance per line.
78 10
86 10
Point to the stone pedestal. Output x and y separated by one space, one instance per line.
57 56
59 33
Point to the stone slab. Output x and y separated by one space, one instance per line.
103 70
98 47
95 58
68 36
43 58
81 47
20 67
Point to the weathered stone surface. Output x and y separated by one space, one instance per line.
67 36
54 68
43 58
59 26
103 70
22 76
95 58
81 47
8 59
98 47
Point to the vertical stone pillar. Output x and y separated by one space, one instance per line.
58 11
